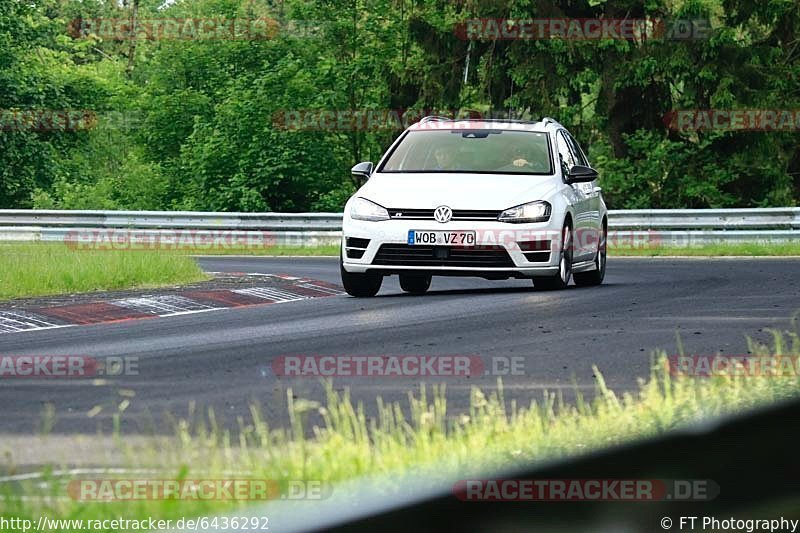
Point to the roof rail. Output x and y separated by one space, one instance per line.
548 120
434 118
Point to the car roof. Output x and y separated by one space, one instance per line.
447 123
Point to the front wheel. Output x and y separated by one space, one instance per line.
596 276
360 285
561 279
415 284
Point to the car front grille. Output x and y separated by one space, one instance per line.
458 214
442 256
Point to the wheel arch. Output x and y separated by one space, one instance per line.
569 219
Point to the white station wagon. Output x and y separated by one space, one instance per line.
490 198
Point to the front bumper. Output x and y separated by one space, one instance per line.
527 250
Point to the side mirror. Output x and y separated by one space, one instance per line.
581 174
362 170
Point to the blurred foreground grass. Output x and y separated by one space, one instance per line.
420 439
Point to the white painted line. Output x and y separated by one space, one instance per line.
14 321
321 289
162 305
240 274
99 472
74 472
269 293
180 313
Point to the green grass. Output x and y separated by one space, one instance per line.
39 269
713 250
332 250
426 439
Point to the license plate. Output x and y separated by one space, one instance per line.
441 238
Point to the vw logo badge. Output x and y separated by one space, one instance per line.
442 214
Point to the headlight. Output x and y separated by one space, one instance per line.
532 212
363 209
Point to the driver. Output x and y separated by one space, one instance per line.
531 157
519 158
444 159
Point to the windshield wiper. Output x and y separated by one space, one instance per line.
476 134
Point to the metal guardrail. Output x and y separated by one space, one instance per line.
172 220
774 218
665 226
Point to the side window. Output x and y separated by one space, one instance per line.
567 159
580 158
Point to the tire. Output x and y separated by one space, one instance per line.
561 279
360 285
415 284
595 277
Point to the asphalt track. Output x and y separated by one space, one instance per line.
222 359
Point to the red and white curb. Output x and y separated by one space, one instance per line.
270 289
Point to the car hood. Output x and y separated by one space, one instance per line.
458 191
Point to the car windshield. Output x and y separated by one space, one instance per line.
484 151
